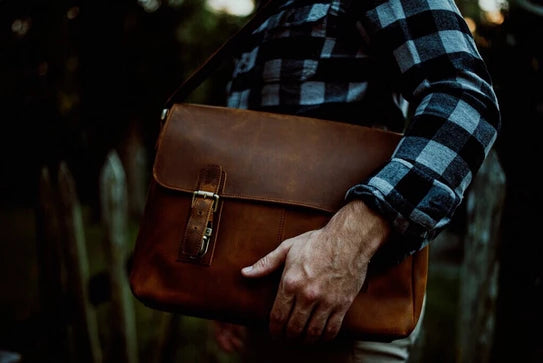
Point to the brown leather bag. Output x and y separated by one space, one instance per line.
229 185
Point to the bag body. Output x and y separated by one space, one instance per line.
229 186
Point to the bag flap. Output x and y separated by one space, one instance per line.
269 157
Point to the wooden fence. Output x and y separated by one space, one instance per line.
65 277
65 264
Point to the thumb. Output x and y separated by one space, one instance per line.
268 263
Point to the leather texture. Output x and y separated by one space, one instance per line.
276 176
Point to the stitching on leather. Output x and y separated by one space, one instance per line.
281 230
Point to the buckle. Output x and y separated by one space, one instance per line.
205 195
205 242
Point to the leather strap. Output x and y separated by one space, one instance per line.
205 202
226 50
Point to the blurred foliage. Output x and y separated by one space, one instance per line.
76 75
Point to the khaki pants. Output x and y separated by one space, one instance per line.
260 349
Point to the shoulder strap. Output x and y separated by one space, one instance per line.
226 50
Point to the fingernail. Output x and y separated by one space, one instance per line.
247 269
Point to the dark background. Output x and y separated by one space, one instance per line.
78 77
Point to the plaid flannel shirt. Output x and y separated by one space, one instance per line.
405 65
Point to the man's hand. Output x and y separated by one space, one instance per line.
229 337
324 271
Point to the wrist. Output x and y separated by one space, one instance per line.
361 226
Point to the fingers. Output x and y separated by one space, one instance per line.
237 344
268 263
333 325
293 308
282 306
314 322
316 325
297 318
229 337
224 342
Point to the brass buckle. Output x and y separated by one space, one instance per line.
209 228
205 195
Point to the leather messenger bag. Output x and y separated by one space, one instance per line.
229 185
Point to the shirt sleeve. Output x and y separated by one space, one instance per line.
454 121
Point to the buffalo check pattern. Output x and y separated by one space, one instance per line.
405 65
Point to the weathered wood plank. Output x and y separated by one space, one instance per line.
479 271
114 206
50 258
83 316
134 158
52 271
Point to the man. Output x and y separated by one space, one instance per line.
405 65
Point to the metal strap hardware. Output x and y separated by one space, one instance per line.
204 216
205 195
205 242
164 114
